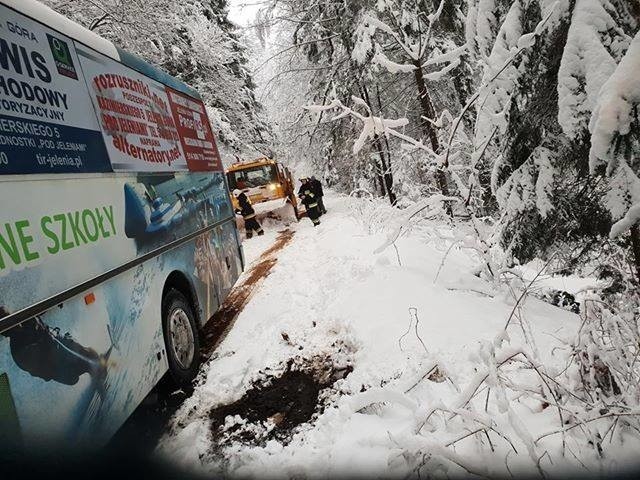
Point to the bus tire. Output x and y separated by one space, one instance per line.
180 337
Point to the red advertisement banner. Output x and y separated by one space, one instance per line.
194 131
135 117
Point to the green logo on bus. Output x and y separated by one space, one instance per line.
62 57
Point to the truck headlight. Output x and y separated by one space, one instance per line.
273 186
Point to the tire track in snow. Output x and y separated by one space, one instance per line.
219 325
149 420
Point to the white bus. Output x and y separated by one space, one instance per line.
117 235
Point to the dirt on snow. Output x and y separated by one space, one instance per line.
279 403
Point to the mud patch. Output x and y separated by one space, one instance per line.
284 404
277 404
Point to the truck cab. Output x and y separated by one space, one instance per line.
263 180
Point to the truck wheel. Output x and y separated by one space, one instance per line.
180 337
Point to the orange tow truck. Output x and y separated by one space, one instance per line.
268 184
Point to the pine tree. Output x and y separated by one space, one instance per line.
615 146
536 114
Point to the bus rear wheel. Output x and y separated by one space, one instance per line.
180 337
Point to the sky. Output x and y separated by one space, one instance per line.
243 12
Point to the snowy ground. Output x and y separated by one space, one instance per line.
394 414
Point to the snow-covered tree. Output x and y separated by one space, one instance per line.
318 47
483 20
192 40
398 36
615 145
535 117
311 48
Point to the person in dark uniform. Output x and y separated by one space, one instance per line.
309 200
317 190
248 213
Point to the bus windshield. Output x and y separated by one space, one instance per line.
252 177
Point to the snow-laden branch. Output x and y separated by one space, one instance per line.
372 125
366 44
611 120
450 56
392 67
432 19
613 113
587 61
528 42
435 16
365 34
433 205
435 76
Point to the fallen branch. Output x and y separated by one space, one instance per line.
444 258
526 290
429 372
571 427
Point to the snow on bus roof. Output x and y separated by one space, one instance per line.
71 29
62 24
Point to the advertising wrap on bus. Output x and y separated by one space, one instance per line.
47 121
74 355
67 108
134 113
85 260
97 225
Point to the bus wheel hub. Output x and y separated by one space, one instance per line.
181 338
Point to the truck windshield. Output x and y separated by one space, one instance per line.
252 177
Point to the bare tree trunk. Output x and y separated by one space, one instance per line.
386 175
378 177
386 172
635 246
377 184
429 112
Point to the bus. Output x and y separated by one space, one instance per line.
117 235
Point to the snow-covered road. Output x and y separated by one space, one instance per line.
330 296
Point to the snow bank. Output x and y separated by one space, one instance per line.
426 357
